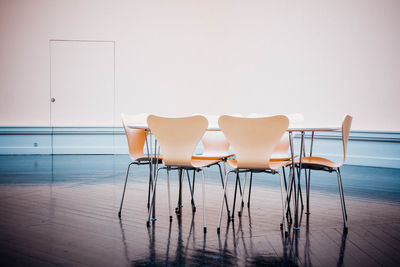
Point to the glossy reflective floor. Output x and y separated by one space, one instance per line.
62 210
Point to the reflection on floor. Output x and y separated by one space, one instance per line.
63 210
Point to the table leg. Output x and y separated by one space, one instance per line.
293 181
150 170
155 166
234 197
309 179
153 171
297 226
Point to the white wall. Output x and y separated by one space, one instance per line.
321 58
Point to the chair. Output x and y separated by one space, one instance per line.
253 140
281 150
178 138
136 140
323 164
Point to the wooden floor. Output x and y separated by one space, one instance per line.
62 210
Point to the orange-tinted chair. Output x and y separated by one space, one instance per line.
136 140
319 163
253 141
281 150
178 138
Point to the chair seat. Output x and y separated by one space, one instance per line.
194 163
318 161
146 158
212 156
200 163
273 165
277 156
281 157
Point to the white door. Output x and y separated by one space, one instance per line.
82 95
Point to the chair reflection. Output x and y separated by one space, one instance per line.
246 252
291 247
237 246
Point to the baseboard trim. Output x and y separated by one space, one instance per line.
366 148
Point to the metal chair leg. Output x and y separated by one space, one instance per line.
345 210
123 192
289 189
204 201
251 181
169 197
301 195
222 203
288 209
150 185
178 209
234 197
152 197
191 188
240 190
308 180
284 224
244 190
194 180
226 200
284 177
344 213
224 166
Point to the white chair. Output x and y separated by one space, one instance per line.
323 164
178 138
136 140
253 141
281 150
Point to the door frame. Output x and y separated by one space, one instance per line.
51 91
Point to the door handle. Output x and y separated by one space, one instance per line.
52 99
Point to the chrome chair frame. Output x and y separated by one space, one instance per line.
141 161
238 171
181 171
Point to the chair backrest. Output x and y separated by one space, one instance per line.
136 138
178 137
214 142
282 148
346 125
253 139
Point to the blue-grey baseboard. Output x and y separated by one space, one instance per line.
366 148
